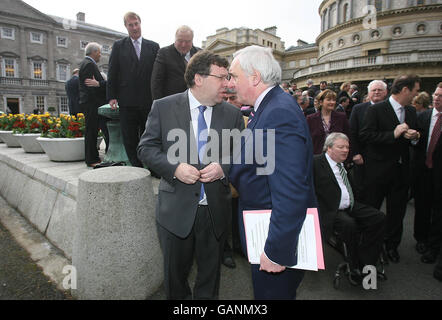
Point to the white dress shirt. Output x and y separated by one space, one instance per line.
434 117
345 196
398 109
139 40
194 113
260 98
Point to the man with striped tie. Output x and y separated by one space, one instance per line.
194 199
360 226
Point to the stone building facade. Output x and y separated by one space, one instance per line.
38 53
360 40
377 39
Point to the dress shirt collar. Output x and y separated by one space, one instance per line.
396 105
261 97
193 102
435 113
331 162
91 59
137 40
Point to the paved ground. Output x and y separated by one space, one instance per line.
21 278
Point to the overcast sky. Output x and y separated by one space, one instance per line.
295 19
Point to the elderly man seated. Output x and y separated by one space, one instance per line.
360 226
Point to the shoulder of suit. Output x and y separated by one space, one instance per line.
150 42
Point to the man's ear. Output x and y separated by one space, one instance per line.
256 78
198 79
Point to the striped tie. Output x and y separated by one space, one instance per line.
343 174
252 114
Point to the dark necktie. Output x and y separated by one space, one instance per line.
343 174
434 139
202 140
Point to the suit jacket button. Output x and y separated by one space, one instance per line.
197 194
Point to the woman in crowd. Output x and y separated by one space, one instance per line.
421 102
326 120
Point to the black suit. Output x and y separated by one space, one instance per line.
72 88
129 83
428 193
358 147
387 165
91 98
362 227
168 72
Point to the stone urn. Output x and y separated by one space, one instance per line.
64 149
29 143
9 139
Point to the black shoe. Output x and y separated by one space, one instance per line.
429 257
229 262
437 274
393 255
421 247
356 277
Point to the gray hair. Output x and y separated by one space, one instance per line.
332 137
309 81
375 82
92 47
183 29
260 59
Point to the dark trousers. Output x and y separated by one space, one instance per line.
276 286
132 122
363 231
395 189
178 256
91 133
358 177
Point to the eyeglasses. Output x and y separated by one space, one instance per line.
437 96
225 77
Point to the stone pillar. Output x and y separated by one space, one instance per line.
116 250
24 66
51 63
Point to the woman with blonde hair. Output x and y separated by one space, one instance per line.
326 120
421 102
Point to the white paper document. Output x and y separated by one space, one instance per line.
310 255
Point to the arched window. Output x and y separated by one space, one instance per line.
420 2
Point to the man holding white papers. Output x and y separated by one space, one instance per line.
361 227
278 175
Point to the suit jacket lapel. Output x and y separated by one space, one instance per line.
329 170
184 119
390 112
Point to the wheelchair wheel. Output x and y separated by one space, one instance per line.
336 282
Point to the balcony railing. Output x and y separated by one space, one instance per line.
38 83
11 81
369 61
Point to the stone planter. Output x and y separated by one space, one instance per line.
28 142
64 149
9 139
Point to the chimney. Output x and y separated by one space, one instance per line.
81 16
271 30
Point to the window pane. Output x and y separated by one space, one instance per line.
64 108
38 70
10 68
40 103
62 72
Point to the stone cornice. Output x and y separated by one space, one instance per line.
381 15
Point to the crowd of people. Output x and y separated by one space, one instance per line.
337 151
